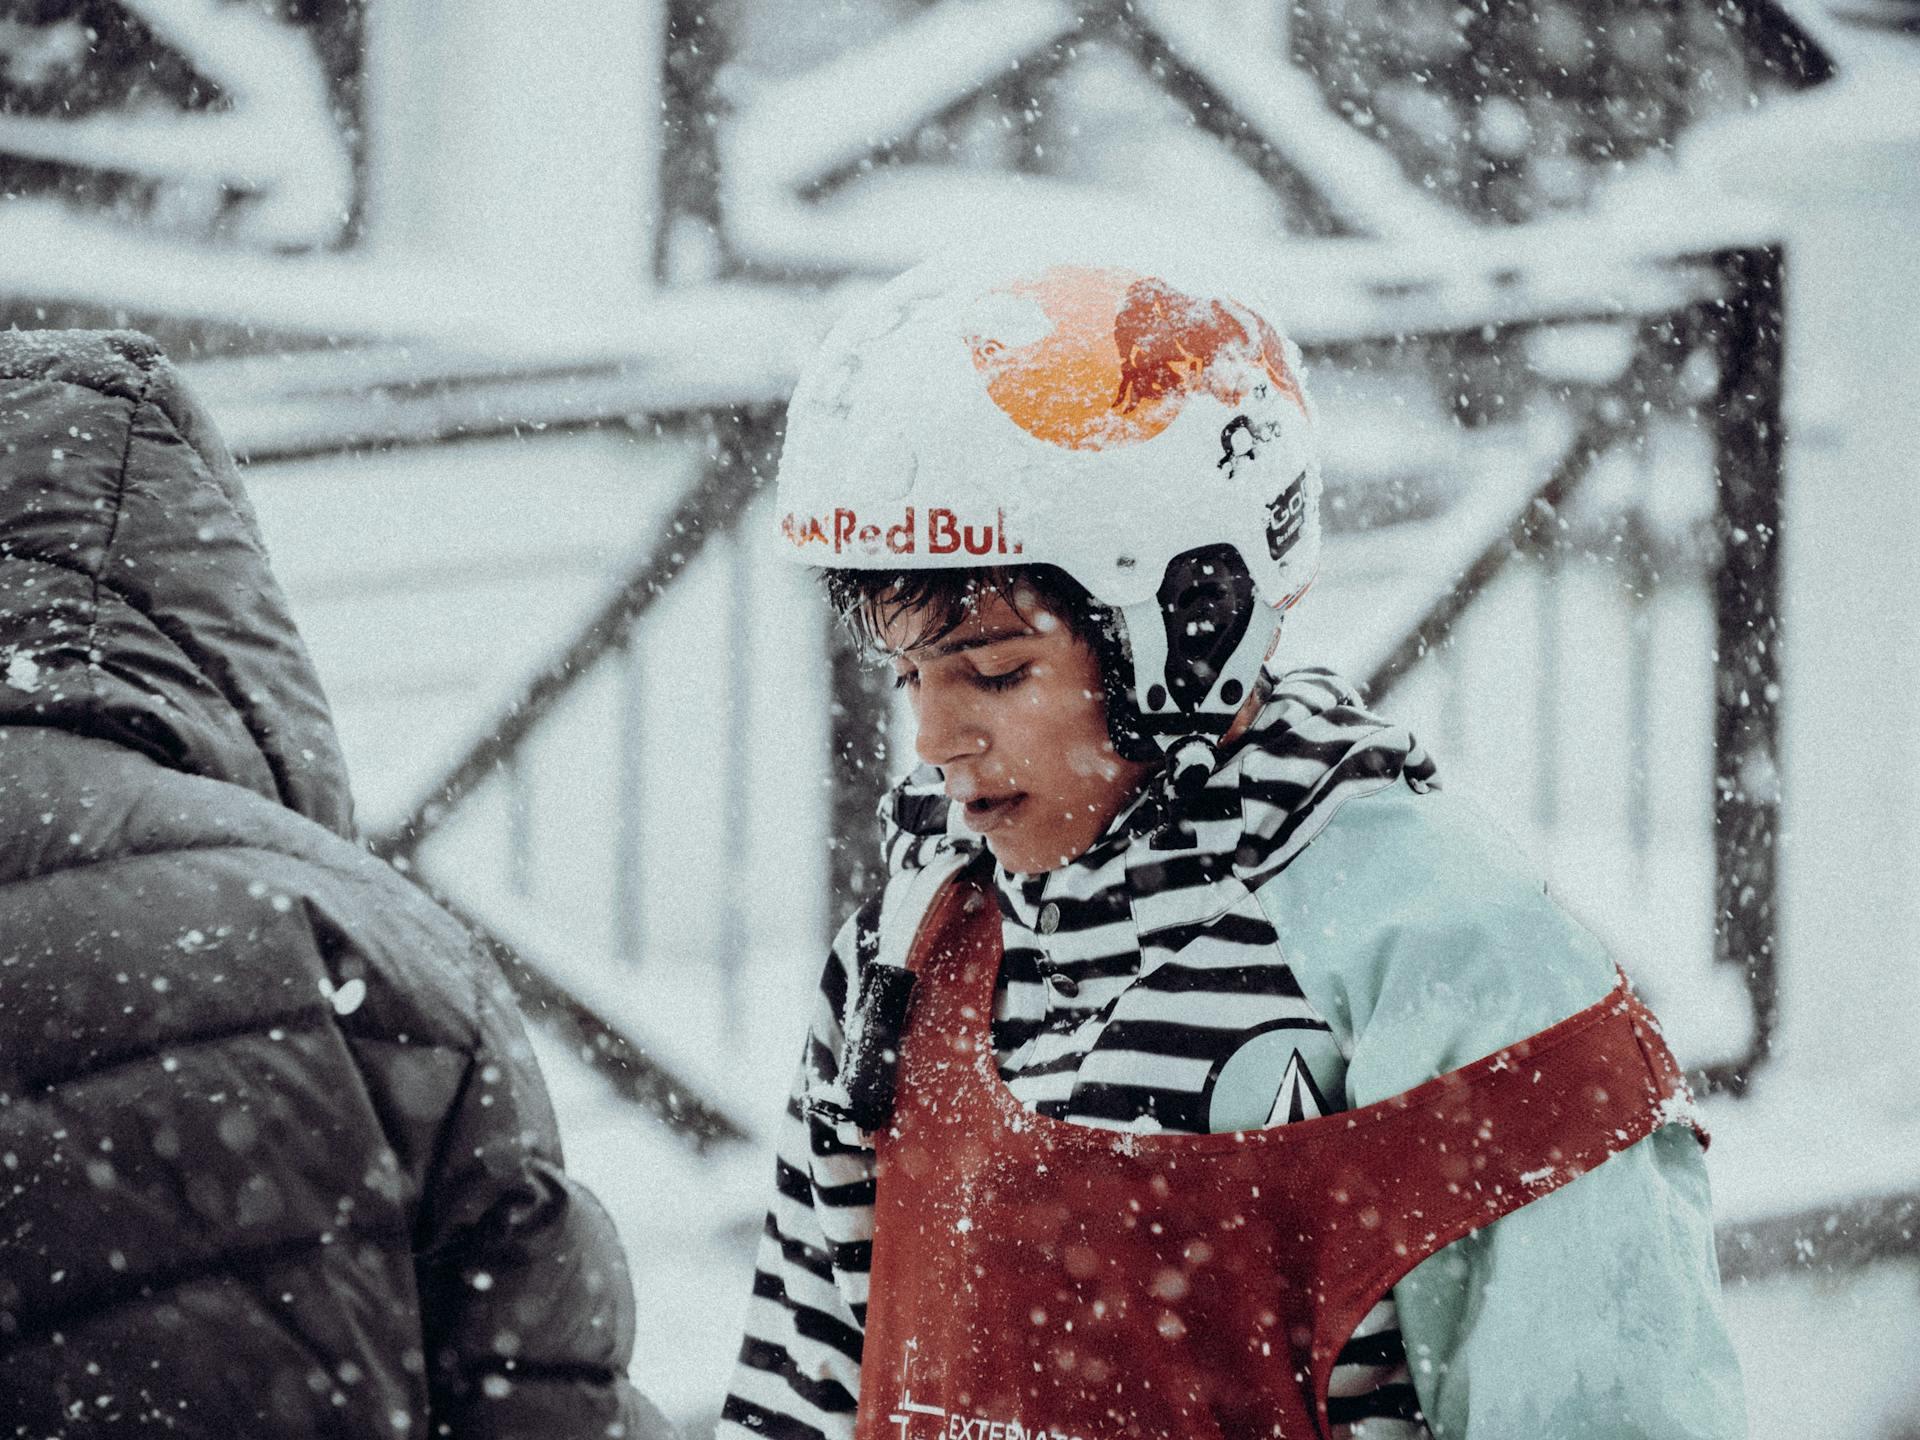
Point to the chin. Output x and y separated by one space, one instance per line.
1022 856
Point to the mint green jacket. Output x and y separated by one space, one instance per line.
1593 1313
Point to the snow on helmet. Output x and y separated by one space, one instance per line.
1135 420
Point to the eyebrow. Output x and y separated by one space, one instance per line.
976 642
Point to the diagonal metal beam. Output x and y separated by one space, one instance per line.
743 444
1214 112
1603 427
1275 118
635 1074
1783 44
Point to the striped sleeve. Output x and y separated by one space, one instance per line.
798 1374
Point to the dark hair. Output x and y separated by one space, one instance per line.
868 601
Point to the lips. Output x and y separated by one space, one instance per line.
989 812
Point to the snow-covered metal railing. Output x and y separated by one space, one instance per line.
273 139
796 141
1389 295
1745 322
1723 301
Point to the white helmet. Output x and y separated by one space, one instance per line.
1136 421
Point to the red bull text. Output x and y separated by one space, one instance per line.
929 530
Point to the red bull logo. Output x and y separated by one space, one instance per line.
1086 357
930 530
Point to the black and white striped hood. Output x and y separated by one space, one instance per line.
1310 748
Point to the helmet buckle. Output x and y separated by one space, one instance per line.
1190 765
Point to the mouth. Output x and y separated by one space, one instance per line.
989 812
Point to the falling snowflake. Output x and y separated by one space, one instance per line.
23 673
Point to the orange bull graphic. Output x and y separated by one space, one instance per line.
1120 354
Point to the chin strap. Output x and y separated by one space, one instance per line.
1190 765
1130 738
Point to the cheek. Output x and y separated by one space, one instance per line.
1076 742
1093 759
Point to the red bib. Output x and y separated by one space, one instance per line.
1039 1280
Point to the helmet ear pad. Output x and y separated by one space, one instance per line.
1206 603
1202 618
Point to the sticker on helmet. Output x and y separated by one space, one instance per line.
1086 357
1286 513
1240 441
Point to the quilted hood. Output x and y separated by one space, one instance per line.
136 601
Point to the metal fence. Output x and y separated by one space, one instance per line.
1706 348
1713 313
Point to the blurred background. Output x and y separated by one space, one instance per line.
1608 306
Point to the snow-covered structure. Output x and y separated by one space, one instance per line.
196 116
855 147
508 422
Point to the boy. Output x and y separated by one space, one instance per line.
1225 1019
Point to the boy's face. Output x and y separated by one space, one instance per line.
1009 706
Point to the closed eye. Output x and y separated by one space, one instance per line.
1002 682
979 679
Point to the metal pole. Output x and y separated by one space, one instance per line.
1546 700
736 801
695 49
1450 660
519 824
1749 472
1642 577
858 766
629 849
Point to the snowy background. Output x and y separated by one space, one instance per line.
480 326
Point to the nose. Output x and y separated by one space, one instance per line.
946 730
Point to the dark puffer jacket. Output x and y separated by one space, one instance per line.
274 1156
